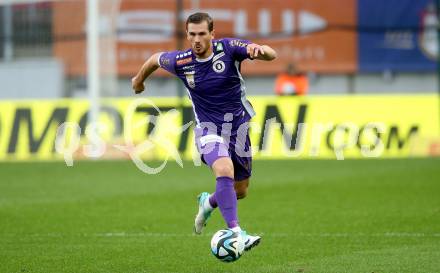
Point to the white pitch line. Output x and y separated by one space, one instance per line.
158 234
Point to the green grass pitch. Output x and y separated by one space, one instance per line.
380 216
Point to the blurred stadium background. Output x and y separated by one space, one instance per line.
366 62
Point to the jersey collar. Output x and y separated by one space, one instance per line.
206 59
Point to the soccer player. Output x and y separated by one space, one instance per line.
210 70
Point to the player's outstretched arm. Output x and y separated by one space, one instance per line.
137 82
261 52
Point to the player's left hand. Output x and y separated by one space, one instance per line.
254 50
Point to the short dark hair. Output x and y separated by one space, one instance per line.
198 17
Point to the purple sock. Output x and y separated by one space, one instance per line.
213 200
227 200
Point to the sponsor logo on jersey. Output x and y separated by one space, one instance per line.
189 75
190 79
219 47
218 66
188 67
184 61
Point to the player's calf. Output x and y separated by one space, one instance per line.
241 188
241 193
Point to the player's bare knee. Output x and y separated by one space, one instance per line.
223 167
224 170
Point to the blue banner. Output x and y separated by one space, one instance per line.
397 35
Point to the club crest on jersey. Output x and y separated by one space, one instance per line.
165 61
218 66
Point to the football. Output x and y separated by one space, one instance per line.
227 246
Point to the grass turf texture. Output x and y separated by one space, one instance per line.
379 216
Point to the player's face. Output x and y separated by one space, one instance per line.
200 38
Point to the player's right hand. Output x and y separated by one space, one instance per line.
254 50
137 85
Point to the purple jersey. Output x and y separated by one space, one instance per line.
214 84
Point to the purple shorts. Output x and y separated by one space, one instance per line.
212 146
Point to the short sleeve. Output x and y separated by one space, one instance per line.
237 47
167 60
